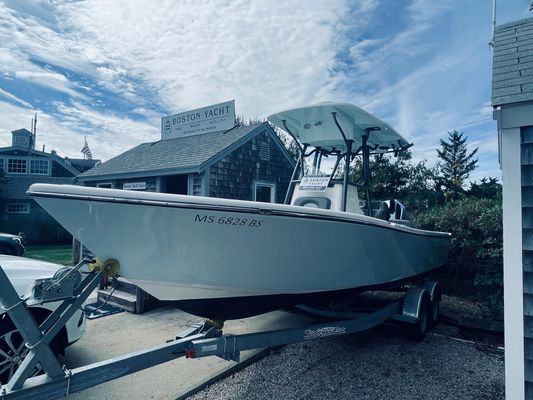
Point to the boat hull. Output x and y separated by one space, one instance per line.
210 253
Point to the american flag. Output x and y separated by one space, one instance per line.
86 151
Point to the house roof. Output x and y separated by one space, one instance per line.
185 154
82 164
72 169
512 67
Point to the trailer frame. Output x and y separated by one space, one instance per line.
202 339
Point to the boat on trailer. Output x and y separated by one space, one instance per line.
226 259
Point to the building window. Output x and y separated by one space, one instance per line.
39 167
106 185
197 189
20 140
264 152
18 208
2 164
16 166
265 192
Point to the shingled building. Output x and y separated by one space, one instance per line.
512 100
23 165
246 163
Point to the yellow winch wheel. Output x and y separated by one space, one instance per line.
109 267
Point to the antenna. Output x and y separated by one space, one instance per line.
491 43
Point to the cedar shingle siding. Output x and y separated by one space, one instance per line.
19 213
512 99
526 162
224 164
233 177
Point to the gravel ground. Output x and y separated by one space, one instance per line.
377 364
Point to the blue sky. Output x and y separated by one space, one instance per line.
110 70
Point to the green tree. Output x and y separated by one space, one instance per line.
400 178
289 143
455 163
476 254
487 188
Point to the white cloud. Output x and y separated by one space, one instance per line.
427 73
51 80
15 99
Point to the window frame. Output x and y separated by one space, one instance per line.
17 159
25 208
47 162
270 185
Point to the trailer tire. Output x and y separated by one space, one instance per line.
435 297
419 329
434 311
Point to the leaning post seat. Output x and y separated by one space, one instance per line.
330 199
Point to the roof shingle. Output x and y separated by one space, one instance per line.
512 67
185 153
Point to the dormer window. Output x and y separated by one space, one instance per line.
21 141
39 167
17 166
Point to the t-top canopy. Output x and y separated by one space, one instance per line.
315 126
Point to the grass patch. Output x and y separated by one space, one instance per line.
59 254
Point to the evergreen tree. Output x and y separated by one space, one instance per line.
456 163
487 188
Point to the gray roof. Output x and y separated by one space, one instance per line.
185 154
512 67
53 156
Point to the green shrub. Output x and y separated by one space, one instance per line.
476 254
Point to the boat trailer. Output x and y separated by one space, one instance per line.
418 309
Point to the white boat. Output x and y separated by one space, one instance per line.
225 259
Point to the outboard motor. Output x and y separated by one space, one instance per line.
398 213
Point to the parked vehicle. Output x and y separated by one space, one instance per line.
11 244
22 272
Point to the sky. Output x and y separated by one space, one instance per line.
109 70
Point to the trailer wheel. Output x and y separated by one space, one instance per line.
418 330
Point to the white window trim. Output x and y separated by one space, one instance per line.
26 206
6 171
265 184
38 173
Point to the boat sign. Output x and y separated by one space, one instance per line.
218 117
315 183
134 186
